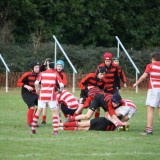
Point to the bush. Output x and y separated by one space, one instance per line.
85 60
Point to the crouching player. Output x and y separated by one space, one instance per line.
68 103
125 112
47 95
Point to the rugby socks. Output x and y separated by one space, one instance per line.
70 128
97 114
44 118
30 116
117 124
34 123
149 130
72 118
55 124
70 124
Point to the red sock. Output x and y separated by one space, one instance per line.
72 118
70 124
149 129
97 114
44 118
117 124
70 128
30 116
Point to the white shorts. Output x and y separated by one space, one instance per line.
126 111
52 104
153 97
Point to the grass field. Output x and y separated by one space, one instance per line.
17 143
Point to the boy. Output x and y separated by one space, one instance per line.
26 82
47 95
152 71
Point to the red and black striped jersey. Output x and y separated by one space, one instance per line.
91 93
109 77
91 80
63 76
108 105
121 77
110 127
27 78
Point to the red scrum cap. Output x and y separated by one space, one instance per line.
107 56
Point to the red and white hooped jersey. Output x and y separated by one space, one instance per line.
129 103
68 99
153 69
48 80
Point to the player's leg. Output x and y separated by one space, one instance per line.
36 116
152 101
80 108
31 100
44 115
55 116
75 125
97 112
150 114
30 114
86 116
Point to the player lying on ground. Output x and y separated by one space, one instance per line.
108 102
125 111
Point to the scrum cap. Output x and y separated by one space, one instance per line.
60 62
33 64
107 56
116 98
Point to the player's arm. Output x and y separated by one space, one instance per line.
64 79
60 82
83 82
142 78
123 78
37 84
23 81
114 119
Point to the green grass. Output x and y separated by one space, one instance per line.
17 143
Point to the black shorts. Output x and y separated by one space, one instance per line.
100 124
67 110
83 95
30 99
98 101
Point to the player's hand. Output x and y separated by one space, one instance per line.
125 85
135 84
125 123
29 88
